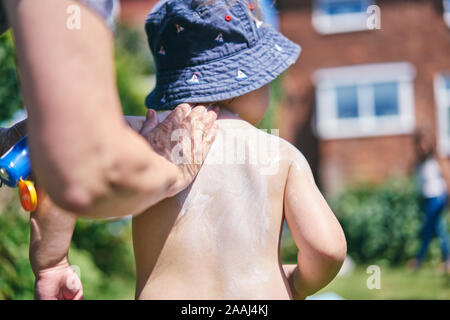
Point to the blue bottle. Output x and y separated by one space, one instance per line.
15 165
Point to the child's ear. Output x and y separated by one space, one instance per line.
230 101
223 103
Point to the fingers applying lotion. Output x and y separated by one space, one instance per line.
151 121
152 117
180 112
198 111
211 115
210 136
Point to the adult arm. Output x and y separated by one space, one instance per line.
51 230
317 233
82 152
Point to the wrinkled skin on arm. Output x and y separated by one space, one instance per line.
51 230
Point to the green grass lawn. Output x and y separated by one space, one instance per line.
396 283
17 280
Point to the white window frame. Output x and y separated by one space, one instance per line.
325 23
442 98
446 5
367 124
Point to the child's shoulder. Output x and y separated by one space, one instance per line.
293 155
286 155
295 162
265 145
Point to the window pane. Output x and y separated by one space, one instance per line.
447 80
347 102
448 121
386 98
343 6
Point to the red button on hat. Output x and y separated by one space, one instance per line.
251 6
228 17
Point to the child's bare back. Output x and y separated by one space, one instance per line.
219 239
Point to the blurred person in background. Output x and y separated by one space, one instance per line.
433 196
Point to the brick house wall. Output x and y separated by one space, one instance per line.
412 31
134 12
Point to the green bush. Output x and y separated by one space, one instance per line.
382 223
276 97
10 97
134 65
102 251
288 248
110 243
16 277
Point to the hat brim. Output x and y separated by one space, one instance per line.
228 77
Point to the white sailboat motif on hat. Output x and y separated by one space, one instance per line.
194 79
219 38
241 75
179 28
258 22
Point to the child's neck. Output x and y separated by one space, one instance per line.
226 113
231 114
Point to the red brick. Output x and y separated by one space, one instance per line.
412 31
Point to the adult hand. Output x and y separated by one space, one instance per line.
184 138
59 282
10 136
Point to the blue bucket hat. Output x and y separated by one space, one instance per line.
212 52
